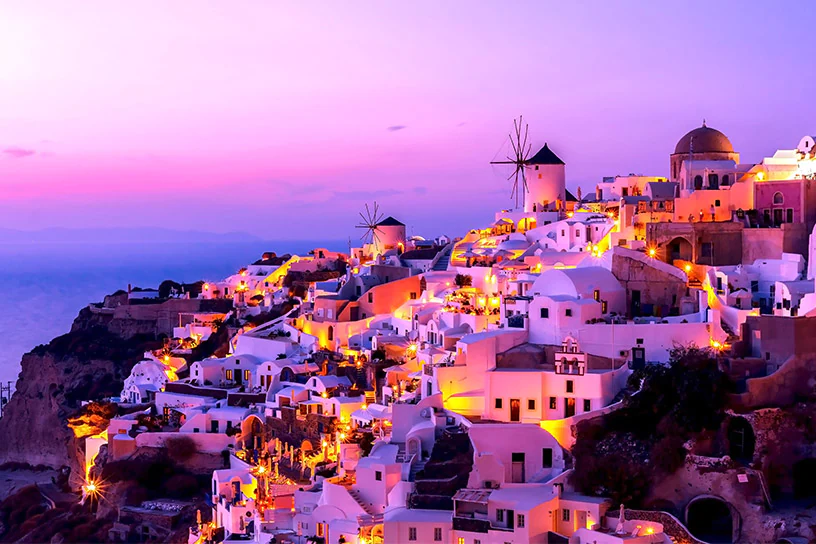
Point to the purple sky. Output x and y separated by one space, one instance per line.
261 116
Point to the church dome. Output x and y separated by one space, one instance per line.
706 140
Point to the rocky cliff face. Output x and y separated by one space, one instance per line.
88 363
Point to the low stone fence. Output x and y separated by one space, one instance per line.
671 525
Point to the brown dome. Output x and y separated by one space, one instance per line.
706 140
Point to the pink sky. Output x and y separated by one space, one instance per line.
255 115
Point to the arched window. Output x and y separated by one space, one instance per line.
778 198
725 180
698 183
330 334
713 181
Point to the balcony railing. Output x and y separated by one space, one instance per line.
471 524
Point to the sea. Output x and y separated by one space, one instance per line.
44 285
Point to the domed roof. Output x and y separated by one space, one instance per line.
706 140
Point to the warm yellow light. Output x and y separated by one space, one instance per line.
649 530
325 443
261 470
760 176
570 214
652 252
324 395
364 406
342 436
206 286
687 268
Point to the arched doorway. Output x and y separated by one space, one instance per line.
678 249
414 446
252 432
741 440
711 519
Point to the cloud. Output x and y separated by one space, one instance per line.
394 128
363 194
18 152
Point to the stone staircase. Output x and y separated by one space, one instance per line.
443 259
415 468
355 494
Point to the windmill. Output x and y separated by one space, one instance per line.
370 220
518 158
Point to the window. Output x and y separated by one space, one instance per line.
437 534
500 515
717 203
789 215
604 307
412 533
546 458
565 514
596 295
778 198
498 404
545 313
725 180
370 298
563 233
568 312
520 521
378 475
587 405
639 341
553 403
754 286
460 540
531 404
707 249
698 184
247 375
413 296
570 386
329 313
229 374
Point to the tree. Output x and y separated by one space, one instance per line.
463 280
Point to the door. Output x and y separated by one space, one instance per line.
638 358
517 471
569 407
581 520
515 410
239 377
635 303
778 220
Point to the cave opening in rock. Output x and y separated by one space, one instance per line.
710 520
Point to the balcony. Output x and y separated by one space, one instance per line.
472 525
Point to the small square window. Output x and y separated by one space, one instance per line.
520 521
717 203
587 405
570 386
498 404
437 534
553 403
378 475
639 341
413 296
531 404
568 312
412 533
545 313
565 514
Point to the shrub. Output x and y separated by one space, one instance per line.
181 448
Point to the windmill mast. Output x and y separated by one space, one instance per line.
518 158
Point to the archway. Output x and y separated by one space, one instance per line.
252 432
711 519
679 249
804 478
414 446
741 440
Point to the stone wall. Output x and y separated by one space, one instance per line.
671 525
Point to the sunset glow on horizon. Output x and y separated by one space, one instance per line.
110 114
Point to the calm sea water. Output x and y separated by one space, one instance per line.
43 286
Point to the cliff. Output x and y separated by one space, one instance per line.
88 363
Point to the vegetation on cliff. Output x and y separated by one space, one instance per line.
619 454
